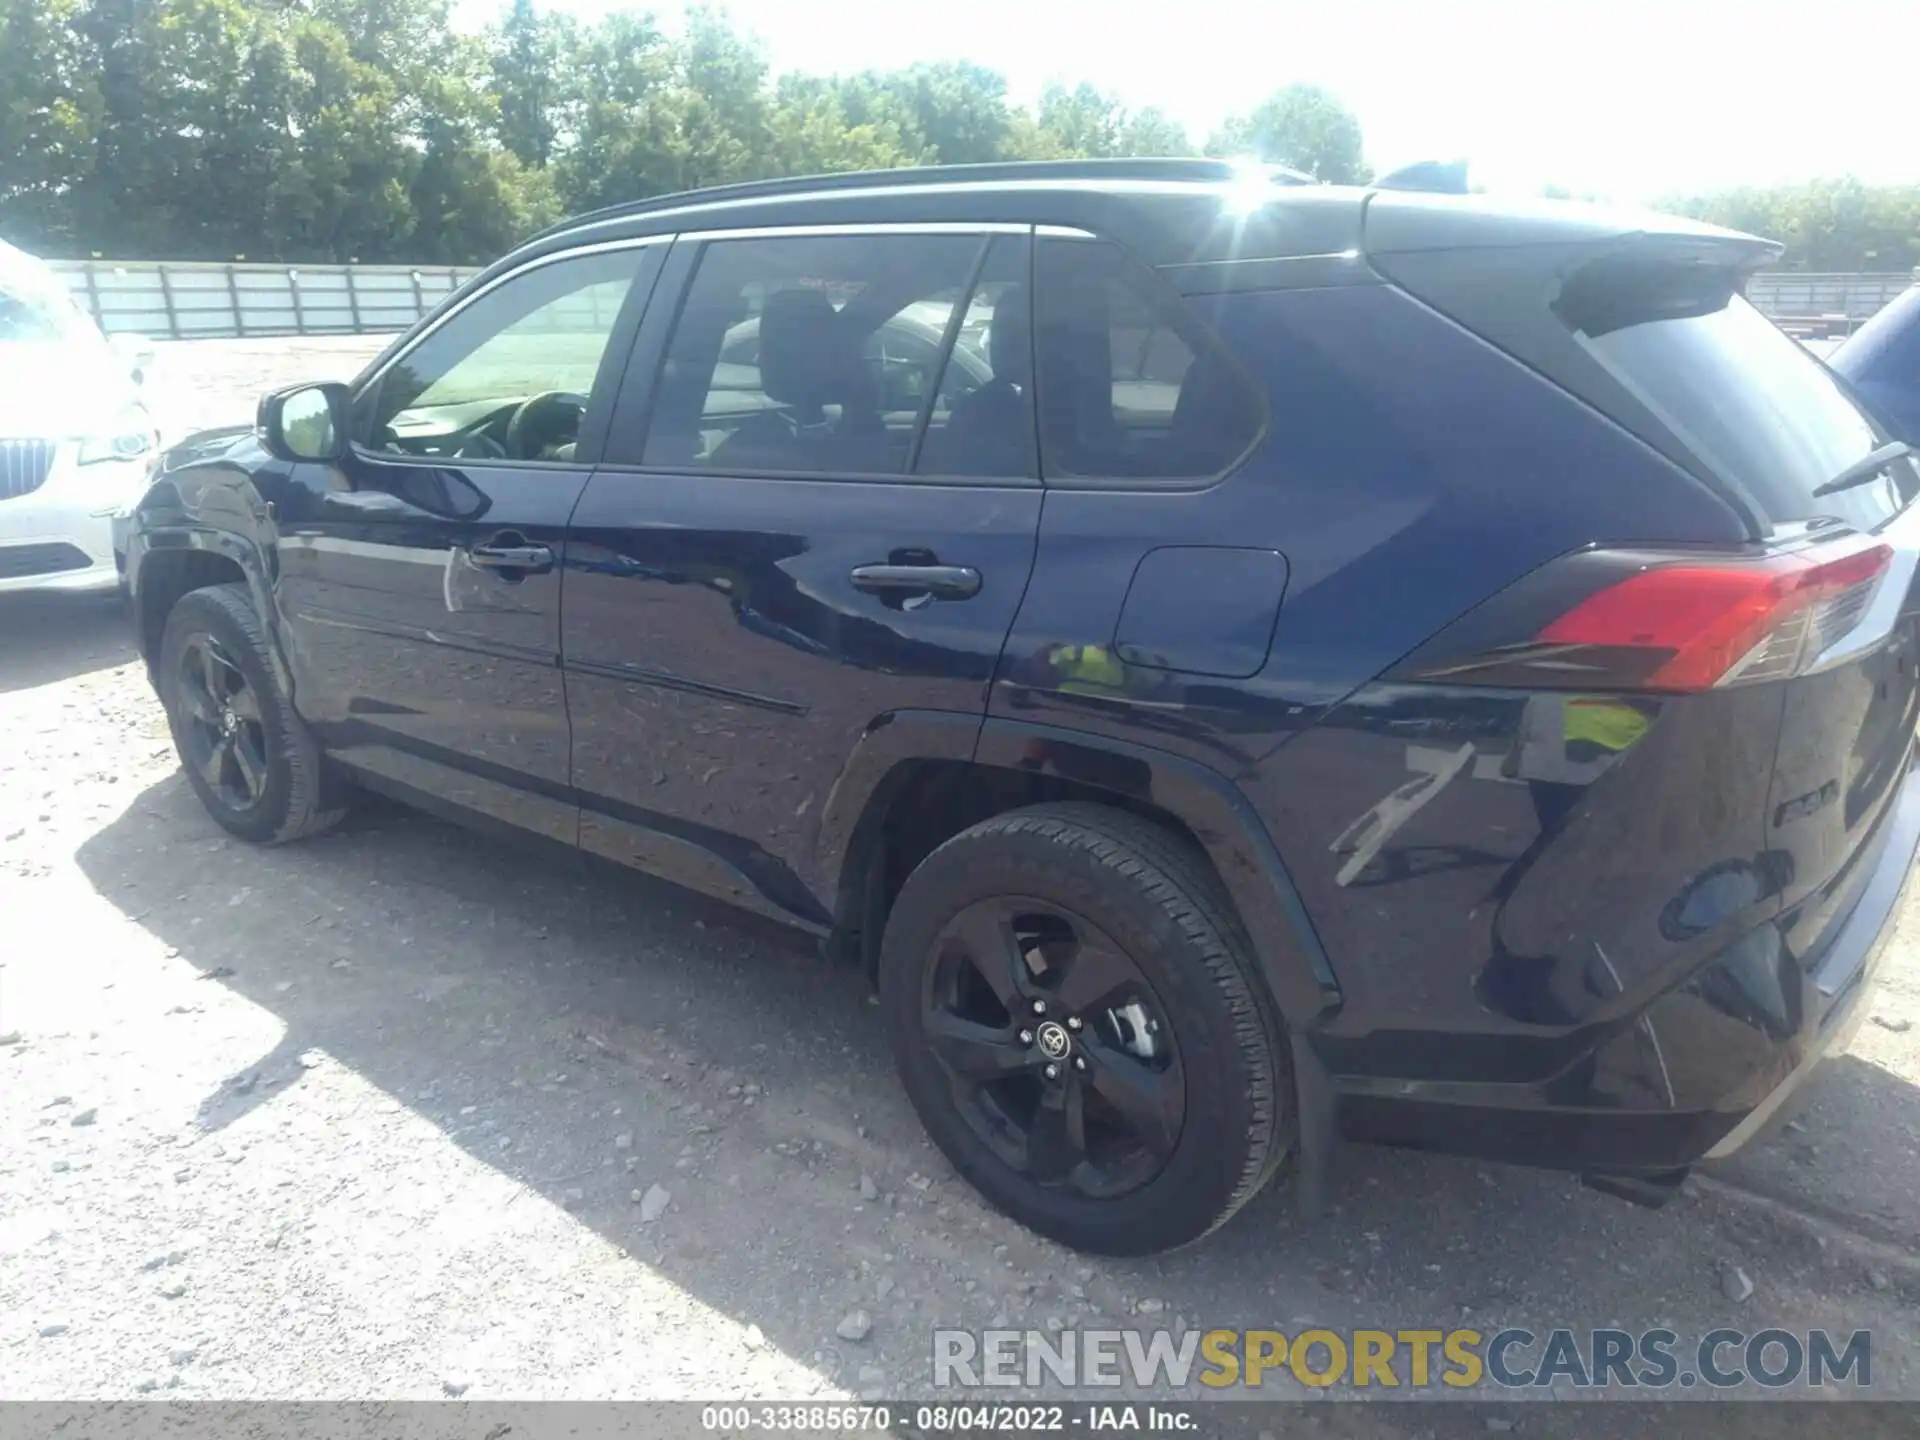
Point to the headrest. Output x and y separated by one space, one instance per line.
799 364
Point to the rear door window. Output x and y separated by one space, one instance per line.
1132 386
981 423
1745 398
809 354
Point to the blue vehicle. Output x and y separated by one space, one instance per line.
1881 360
1287 662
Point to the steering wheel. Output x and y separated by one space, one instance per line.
552 417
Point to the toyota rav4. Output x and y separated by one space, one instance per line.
1242 662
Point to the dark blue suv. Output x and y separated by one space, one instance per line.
1242 662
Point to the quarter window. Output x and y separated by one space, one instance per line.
509 377
1132 387
809 354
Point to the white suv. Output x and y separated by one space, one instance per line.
75 441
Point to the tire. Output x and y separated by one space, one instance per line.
271 785
1110 874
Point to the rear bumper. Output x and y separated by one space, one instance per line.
61 536
1753 1019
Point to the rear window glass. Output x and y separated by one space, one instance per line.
1756 407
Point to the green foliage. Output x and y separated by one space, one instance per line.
1826 225
329 130
1303 127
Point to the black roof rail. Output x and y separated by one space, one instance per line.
1173 168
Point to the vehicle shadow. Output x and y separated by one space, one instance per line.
518 1001
46 638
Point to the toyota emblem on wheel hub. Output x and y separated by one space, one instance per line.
1053 1040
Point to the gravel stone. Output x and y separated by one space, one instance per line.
1734 1283
855 1325
654 1204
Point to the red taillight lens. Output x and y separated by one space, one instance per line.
1702 625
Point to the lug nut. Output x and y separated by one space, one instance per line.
1039 1007
1073 1022
1052 1072
1079 1062
1026 1037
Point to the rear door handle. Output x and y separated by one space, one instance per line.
949 582
535 559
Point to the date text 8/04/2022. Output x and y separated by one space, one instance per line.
964 1418
1511 1358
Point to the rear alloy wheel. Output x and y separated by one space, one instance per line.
1059 1053
1120 1095
247 755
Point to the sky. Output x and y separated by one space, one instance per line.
1624 98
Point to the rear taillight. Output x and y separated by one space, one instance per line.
1728 624
1646 621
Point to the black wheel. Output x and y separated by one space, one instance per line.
247 755
1076 1016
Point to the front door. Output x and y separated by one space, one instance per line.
830 519
419 576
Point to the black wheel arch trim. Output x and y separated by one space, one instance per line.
249 555
1291 958
1292 961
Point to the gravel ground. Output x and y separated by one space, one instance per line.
404 1112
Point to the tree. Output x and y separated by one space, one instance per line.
1085 122
1303 127
958 109
810 131
313 130
1153 132
50 112
618 116
1829 224
527 81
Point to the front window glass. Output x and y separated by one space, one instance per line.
510 376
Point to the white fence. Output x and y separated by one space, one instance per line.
1824 307
186 301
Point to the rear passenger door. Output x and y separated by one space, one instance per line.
817 509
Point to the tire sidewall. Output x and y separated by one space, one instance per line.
199 613
1197 1184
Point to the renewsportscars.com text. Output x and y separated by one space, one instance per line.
1509 1359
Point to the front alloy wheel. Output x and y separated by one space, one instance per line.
222 737
246 752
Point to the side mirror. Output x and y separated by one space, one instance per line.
305 423
135 353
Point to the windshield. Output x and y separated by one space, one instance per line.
1758 409
35 315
